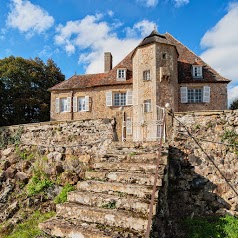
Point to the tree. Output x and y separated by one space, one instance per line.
23 89
234 104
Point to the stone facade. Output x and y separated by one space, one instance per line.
159 71
218 98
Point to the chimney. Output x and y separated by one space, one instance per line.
107 61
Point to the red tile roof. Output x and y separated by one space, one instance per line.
96 80
186 59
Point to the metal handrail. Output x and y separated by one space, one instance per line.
155 182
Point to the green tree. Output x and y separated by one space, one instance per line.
23 89
234 104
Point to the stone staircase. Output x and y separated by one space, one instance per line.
113 200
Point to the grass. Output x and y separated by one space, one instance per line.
215 227
29 228
62 196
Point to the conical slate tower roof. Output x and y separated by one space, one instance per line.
154 37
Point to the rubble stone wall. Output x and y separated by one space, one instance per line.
203 170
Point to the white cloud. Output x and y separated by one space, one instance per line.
149 3
221 48
179 3
110 13
140 29
28 18
91 37
233 94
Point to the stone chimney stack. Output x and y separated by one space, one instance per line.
107 61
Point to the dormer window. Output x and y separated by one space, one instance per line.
121 74
197 71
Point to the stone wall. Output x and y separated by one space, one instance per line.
85 136
203 177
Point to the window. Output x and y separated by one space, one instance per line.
195 95
81 104
63 104
147 105
197 71
164 56
146 75
119 99
121 74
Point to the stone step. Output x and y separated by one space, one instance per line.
58 227
125 177
132 158
115 166
110 201
107 217
141 191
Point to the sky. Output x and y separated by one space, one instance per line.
76 33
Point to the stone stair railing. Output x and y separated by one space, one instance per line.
113 200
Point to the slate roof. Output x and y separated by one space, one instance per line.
186 58
185 61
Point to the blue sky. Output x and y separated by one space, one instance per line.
76 33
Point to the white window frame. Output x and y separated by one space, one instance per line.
147 106
197 71
64 104
146 75
205 95
77 101
121 74
81 104
119 99
195 95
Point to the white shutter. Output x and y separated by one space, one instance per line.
129 97
109 99
206 94
128 126
87 103
75 104
68 104
184 94
57 105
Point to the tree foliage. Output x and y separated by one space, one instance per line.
23 89
234 104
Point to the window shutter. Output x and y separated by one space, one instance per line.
129 97
109 99
75 104
184 94
206 94
57 105
68 104
87 103
128 126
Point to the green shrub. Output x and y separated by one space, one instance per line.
62 196
29 228
38 183
215 227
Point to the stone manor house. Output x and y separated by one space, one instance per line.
158 71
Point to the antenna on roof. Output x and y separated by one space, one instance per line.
75 73
155 27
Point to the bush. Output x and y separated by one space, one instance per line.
62 196
38 184
215 227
